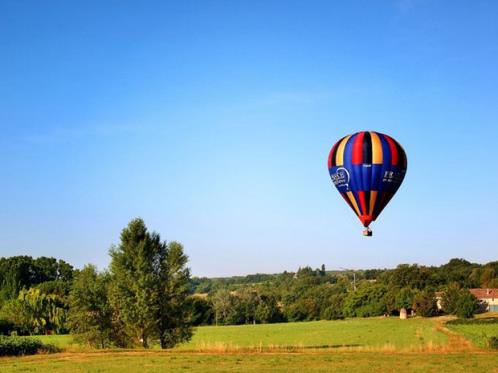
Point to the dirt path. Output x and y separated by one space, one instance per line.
456 342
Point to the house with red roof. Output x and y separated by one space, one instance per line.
488 297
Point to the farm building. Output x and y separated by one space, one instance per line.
489 297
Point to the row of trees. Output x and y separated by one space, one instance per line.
141 299
147 295
310 295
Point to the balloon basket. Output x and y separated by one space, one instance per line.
367 232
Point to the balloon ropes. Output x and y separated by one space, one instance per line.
367 168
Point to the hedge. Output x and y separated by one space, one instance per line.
16 346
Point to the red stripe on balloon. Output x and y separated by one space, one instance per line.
331 155
358 148
394 150
363 204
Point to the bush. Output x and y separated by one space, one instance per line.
467 305
16 346
425 304
493 342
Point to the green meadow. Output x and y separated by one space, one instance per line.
158 361
355 345
476 331
357 333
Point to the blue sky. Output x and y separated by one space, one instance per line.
212 120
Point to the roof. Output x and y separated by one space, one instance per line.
484 293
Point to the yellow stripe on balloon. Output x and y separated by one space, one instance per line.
353 202
340 151
376 148
373 197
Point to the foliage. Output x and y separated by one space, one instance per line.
34 312
18 272
267 310
467 305
450 298
334 309
90 313
201 310
367 300
15 346
404 298
425 303
149 286
173 312
460 302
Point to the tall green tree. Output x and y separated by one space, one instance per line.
149 286
174 313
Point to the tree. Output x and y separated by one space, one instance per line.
450 298
201 310
267 310
404 298
367 300
134 281
34 312
18 272
173 311
425 303
13 314
90 313
467 305
149 286
334 310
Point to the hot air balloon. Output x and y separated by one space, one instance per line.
367 168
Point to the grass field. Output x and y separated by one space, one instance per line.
370 332
158 361
355 345
376 333
477 331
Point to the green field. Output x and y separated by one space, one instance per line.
355 345
158 361
377 333
477 331
369 332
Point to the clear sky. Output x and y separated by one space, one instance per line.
212 120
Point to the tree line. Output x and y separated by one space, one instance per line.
148 296
140 300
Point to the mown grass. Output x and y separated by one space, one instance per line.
158 361
390 333
353 345
375 333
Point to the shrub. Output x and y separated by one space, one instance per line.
425 304
467 305
16 346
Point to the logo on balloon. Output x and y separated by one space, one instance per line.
341 178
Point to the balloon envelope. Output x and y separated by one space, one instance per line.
367 168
